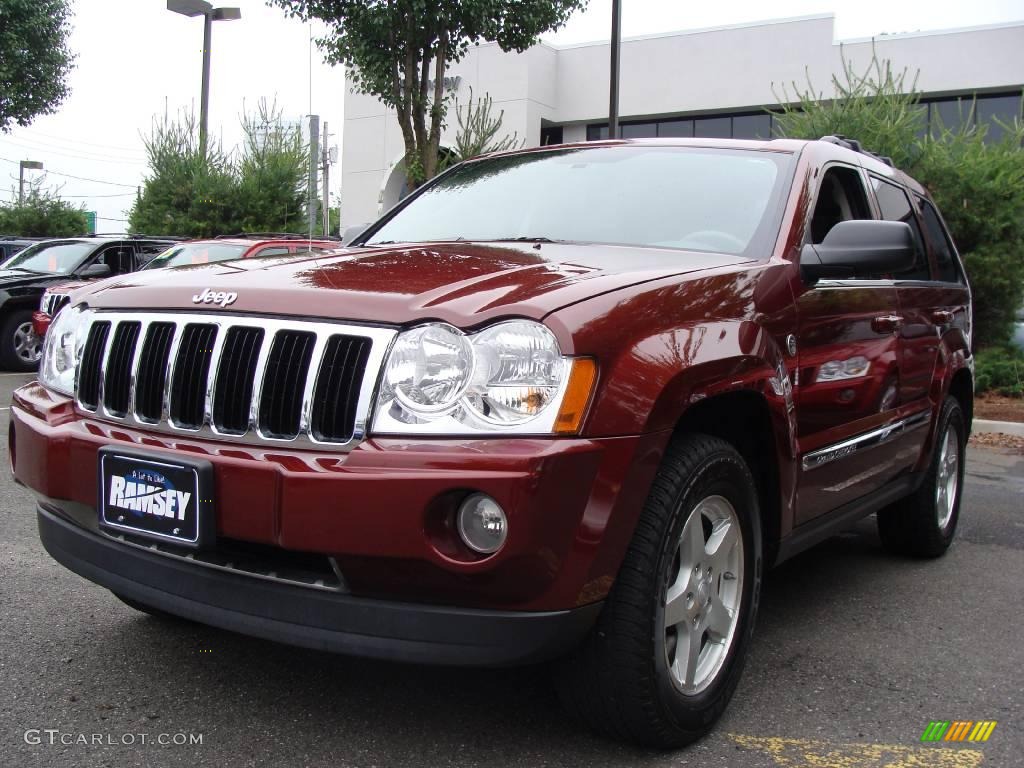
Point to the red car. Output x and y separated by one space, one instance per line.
185 254
566 403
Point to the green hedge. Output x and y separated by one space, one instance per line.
999 370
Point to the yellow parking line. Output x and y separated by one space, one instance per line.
808 753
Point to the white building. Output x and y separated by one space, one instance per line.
711 82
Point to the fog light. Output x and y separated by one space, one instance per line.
482 524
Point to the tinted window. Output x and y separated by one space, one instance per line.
274 250
939 239
895 206
698 199
59 258
841 197
752 127
196 253
120 259
1005 109
713 128
638 130
676 129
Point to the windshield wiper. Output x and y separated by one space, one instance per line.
524 239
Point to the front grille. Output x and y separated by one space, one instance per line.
233 378
54 303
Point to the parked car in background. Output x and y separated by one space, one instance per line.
26 275
191 252
11 245
530 420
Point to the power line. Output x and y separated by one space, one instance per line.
79 178
89 143
76 156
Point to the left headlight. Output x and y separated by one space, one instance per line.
510 378
62 349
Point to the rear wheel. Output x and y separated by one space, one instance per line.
924 523
667 652
20 348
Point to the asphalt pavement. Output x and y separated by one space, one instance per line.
855 652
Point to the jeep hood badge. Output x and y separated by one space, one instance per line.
220 298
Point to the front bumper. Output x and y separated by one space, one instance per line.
314 619
381 515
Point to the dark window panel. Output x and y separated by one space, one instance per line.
597 132
752 127
638 130
951 114
676 129
991 108
713 128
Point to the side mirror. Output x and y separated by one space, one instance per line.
95 270
859 249
351 233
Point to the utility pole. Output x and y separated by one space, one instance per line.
32 165
613 88
314 164
326 162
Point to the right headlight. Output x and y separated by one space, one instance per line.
510 378
62 349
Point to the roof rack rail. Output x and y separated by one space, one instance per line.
856 146
265 236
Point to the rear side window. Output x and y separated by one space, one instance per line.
895 206
949 271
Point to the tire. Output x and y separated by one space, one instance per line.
626 680
143 608
20 348
924 523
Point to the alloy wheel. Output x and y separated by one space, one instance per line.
947 477
702 601
27 346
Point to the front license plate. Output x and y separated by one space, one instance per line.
161 497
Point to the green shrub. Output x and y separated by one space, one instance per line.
999 370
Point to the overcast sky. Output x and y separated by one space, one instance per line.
136 60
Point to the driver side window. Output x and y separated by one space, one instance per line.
841 197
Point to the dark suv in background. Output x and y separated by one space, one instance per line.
25 275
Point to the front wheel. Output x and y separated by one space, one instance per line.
924 523
666 654
20 348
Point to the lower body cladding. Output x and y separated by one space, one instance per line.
357 553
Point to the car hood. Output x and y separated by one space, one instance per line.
14 278
459 283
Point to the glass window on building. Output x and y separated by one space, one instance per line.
597 132
638 130
951 114
1005 109
713 128
752 127
675 129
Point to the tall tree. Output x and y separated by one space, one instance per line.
34 59
272 173
400 50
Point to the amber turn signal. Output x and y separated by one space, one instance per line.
577 395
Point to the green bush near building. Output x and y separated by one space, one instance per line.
977 183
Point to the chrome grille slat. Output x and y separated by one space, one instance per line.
236 372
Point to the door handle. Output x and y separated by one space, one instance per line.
942 316
887 323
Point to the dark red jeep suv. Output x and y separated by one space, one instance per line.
566 403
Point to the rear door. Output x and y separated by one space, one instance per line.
847 388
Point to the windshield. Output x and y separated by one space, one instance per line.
57 258
670 197
196 253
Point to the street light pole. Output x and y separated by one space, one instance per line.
193 8
613 88
204 98
32 165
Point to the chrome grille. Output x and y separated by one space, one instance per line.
229 377
53 302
